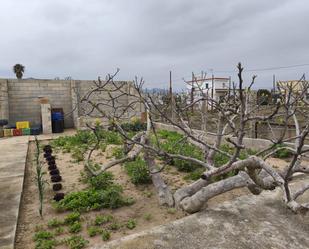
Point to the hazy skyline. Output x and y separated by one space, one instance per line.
87 39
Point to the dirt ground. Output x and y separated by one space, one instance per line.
146 203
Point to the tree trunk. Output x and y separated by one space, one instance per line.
164 193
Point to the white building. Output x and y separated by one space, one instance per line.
215 88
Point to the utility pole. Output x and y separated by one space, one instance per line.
274 83
172 98
192 92
212 89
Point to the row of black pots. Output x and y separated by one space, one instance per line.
54 172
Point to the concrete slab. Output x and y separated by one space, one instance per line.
249 222
13 154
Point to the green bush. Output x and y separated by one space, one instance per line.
46 244
283 152
91 199
138 171
131 224
102 219
72 217
195 175
43 235
102 193
75 227
80 142
110 137
102 181
136 125
59 230
54 223
118 153
170 135
76 242
93 231
105 235
172 142
114 226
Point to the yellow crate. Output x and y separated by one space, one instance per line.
22 125
8 132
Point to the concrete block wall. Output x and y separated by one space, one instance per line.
4 99
83 87
23 96
19 99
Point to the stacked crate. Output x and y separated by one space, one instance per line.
7 132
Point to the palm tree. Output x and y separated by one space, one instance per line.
19 69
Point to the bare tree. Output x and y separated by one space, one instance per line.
234 115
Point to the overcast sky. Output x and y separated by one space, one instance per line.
87 38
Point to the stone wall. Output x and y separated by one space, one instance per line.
19 99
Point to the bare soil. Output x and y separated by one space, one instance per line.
146 210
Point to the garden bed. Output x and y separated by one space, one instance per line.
95 226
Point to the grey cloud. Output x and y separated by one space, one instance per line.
85 39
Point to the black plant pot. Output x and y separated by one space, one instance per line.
56 178
58 196
47 154
47 148
57 186
54 172
50 158
52 167
48 151
52 163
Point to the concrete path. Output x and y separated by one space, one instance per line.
13 154
249 222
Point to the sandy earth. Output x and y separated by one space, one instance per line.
145 200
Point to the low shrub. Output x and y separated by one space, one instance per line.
91 199
282 152
54 223
131 224
46 244
72 218
76 242
114 226
118 153
59 230
102 181
135 125
43 235
147 217
138 171
93 231
75 227
195 175
102 219
105 235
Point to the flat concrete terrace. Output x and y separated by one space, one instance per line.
13 155
248 222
